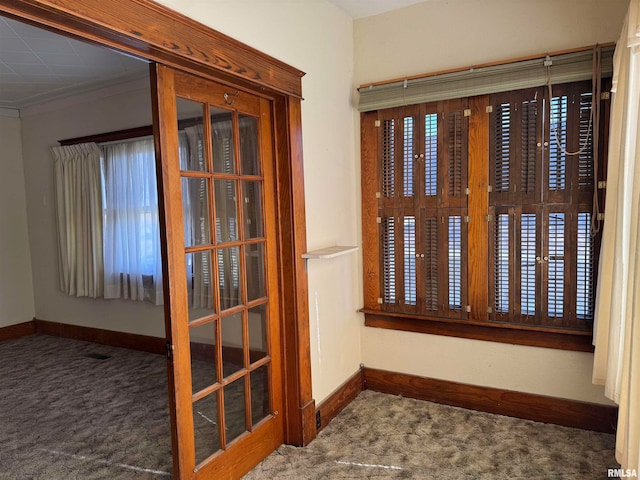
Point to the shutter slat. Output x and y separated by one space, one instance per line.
410 260
431 263
388 260
388 158
502 157
502 257
431 154
584 260
555 265
558 142
585 158
529 114
407 138
455 263
455 153
528 264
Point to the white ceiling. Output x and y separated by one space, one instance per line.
37 65
367 8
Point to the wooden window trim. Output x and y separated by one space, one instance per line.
491 332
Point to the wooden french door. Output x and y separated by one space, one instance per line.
221 290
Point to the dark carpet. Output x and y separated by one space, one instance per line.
76 410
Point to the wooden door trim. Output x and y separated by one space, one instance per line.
299 405
155 32
142 28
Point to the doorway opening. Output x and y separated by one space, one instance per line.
142 30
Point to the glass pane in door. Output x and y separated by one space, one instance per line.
222 141
200 283
229 277
252 205
203 356
195 211
235 409
254 266
257 333
259 394
249 155
226 211
232 341
205 426
192 149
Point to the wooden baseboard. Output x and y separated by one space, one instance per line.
16 331
570 413
143 343
540 408
339 399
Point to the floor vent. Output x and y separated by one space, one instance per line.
98 356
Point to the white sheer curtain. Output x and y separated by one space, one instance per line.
79 219
617 320
132 257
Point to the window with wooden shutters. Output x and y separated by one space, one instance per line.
422 209
542 247
481 222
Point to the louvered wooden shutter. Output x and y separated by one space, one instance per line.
453 209
398 238
542 251
422 209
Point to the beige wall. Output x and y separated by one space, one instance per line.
442 34
119 107
16 292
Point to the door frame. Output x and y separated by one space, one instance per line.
156 33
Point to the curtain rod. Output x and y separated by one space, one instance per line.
483 65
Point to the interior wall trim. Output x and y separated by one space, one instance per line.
18 330
337 400
540 408
143 343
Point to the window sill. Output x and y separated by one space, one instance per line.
492 332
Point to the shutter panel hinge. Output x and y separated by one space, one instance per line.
169 349
467 191
605 96
602 184
467 112
378 219
467 218
489 108
489 218
489 310
489 188
467 308
378 195
600 216
377 123
380 300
